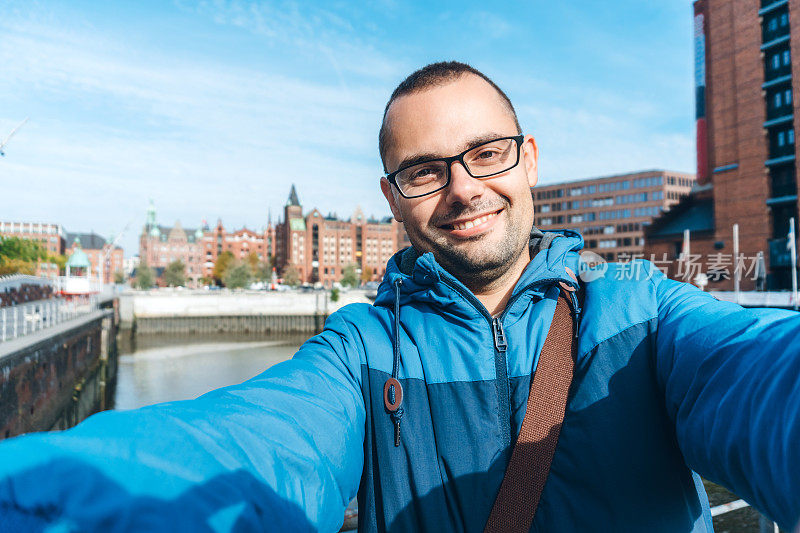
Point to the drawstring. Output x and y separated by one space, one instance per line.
392 390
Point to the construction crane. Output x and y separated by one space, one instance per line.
15 130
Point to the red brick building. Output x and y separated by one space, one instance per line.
161 245
50 236
611 212
320 247
57 241
240 243
746 102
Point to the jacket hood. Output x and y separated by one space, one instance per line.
424 279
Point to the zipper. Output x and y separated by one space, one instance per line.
502 383
501 346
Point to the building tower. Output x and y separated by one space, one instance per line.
745 109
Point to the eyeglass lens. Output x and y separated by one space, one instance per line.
484 160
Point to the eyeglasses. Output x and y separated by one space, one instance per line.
483 161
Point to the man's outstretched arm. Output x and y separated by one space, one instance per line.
281 451
731 378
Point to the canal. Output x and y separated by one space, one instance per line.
163 368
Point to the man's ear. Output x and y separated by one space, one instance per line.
389 194
530 159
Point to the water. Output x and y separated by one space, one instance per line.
166 368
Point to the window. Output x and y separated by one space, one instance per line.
776 61
781 140
786 58
544 209
784 19
790 136
773 24
777 99
787 96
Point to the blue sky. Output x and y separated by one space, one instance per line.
213 109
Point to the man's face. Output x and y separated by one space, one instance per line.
444 121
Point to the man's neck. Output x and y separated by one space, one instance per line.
496 295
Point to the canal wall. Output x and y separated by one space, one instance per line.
183 311
54 378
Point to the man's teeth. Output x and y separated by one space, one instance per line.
475 222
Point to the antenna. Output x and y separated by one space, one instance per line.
5 142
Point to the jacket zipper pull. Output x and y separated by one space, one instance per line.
499 335
396 431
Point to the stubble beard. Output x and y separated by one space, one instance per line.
477 267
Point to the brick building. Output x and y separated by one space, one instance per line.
240 243
58 241
105 260
610 212
161 245
745 105
50 236
320 247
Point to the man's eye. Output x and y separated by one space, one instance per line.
488 154
423 174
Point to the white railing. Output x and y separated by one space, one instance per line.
20 320
15 281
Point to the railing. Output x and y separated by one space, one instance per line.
20 320
14 281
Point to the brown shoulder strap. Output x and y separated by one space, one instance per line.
533 452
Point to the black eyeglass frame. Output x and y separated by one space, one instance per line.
449 163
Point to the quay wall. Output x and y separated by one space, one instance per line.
56 377
171 311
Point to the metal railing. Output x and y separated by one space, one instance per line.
20 320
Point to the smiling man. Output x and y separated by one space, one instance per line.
477 228
416 403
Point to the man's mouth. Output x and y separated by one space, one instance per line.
472 222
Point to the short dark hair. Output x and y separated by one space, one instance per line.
429 76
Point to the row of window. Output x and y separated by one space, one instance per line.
782 98
632 198
778 20
646 211
598 230
649 211
785 137
650 181
780 59
676 180
616 213
601 202
613 243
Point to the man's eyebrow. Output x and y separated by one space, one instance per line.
420 157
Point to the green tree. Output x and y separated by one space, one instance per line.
59 260
366 274
144 277
175 274
237 275
119 277
334 294
224 260
291 276
20 256
350 275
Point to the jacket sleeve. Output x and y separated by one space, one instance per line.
281 451
731 378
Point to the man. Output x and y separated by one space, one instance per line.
667 379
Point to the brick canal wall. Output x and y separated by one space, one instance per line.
54 378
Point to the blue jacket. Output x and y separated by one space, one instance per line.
668 381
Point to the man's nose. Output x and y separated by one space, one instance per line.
463 188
